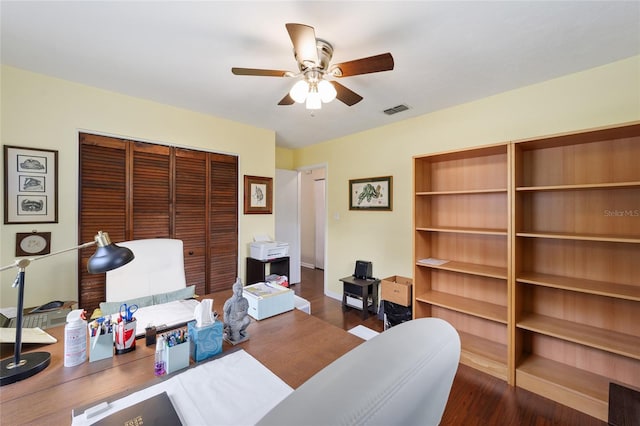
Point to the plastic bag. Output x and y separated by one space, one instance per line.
395 314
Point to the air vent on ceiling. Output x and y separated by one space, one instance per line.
396 109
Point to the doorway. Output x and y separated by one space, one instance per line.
313 217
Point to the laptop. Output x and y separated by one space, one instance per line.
42 320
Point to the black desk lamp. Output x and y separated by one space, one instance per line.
108 256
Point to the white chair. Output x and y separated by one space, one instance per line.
401 377
158 267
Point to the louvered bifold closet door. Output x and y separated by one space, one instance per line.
151 191
102 203
137 190
191 212
223 221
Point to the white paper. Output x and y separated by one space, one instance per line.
29 335
233 390
433 261
10 312
363 332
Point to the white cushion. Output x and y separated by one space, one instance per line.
158 267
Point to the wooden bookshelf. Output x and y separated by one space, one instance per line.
576 243
541 243
470 290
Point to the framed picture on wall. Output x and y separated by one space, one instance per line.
371 193
258 195
33 243
30 185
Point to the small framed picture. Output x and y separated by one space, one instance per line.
30 185
371 193
33 243
258 195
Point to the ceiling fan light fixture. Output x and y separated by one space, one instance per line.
313 57
299 91
327 91
314 101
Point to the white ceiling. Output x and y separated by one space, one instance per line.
446 53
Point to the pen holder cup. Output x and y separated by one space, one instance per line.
125 333
206 341
176 357
100 347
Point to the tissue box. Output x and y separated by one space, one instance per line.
206 341
176 357
267 300
101 349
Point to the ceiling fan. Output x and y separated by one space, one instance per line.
313 56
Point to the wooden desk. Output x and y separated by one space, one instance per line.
293 345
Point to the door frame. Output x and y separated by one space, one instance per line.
301 170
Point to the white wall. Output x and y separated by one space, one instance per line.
42 112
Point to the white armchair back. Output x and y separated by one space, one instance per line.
158 267
403 376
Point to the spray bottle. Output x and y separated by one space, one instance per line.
159 365
75 338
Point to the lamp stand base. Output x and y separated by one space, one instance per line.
30 364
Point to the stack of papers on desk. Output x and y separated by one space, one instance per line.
29 335
233 390
171 314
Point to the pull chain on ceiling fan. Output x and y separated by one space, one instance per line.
313 56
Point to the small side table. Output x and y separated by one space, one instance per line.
361 288
256 268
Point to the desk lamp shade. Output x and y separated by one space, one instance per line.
108 256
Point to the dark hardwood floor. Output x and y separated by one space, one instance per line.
476 398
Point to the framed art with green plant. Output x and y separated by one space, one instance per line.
371 193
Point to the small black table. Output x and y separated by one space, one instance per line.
256 268
361 288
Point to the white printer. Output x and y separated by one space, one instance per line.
263 248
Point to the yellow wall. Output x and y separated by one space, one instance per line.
43 112
284 158
601 96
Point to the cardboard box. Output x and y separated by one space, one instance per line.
397 289
267 300
205 341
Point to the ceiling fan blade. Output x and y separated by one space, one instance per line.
303 38
377 63
287 100
259 72
345 95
